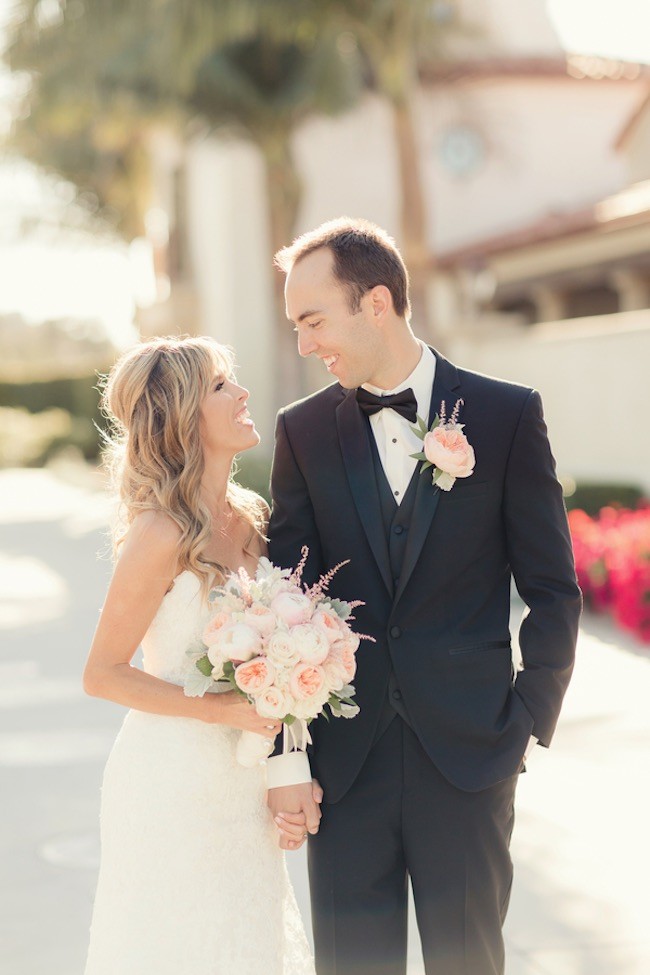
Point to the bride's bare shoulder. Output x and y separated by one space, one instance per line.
154 535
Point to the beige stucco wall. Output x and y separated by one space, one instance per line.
593 377
637 149
227 223
548 147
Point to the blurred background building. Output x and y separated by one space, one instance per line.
515 177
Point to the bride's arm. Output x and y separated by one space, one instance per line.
143 574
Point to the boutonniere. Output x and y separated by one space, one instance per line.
445 448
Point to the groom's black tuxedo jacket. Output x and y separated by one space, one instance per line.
443 630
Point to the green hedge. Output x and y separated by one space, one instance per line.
591 497
76 397
254 471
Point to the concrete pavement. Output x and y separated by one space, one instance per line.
581 850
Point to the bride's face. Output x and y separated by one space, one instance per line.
226 426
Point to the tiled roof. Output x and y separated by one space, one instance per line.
628 207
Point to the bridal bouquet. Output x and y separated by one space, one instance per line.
287 648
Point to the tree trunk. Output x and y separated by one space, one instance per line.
413 208
283 193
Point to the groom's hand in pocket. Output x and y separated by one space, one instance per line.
296 811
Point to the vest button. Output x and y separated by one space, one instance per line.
398 529
397 695
395 632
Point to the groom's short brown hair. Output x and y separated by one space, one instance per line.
364 256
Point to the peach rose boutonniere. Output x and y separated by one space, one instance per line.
445 448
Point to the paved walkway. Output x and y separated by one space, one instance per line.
581 850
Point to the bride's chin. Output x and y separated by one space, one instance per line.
252 440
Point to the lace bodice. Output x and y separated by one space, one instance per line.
176 628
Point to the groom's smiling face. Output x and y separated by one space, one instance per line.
348 342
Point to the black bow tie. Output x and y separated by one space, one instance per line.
403 403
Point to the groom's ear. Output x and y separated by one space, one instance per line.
381 303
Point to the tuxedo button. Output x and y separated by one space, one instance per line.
395 632
397 695
398 529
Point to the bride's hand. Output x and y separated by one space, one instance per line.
234 710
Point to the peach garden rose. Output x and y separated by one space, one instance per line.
306 681
254 676
445 448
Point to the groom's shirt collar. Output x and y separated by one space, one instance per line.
420 381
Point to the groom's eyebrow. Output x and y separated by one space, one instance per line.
305 314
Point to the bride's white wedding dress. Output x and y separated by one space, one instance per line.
192 881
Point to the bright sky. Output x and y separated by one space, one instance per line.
98 282
611 28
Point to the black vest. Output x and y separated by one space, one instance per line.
397 520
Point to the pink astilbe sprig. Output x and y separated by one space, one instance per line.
318 590
455 414
296 575
245 582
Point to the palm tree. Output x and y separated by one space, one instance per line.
263 89
397 37
101 75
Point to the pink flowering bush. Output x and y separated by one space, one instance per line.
612 553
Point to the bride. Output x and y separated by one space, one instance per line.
192 879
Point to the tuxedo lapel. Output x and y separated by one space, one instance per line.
359 467
445 387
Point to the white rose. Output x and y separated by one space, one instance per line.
292 608
282 649
271 703
336 674
261 618
238 642
309 708
311 642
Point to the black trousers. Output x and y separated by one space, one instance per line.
402 817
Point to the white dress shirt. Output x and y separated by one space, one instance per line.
393 433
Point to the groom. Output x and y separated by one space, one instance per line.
421 783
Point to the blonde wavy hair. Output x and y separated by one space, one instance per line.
152 398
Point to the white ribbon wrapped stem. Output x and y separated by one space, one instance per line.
295 737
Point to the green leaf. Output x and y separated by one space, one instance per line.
349 711
340 607
203 664
196 685
424 466
419 456
436 422
229 670
288 719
